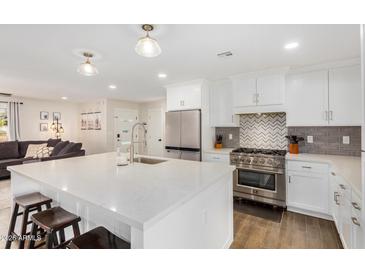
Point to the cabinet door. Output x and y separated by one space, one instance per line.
270 90
307 99
173 99
221 105
309 192
345 96
244 92
346 222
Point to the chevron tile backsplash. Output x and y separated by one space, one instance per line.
266 130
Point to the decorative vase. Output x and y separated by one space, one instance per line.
294 148
218 145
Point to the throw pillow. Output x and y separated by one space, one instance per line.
59 147
33 149
66 149
44 152
52 142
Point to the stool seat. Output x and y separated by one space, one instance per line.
98 238
54 218
32 200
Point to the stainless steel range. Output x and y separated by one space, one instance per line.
260 175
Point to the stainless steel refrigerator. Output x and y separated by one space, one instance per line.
183 135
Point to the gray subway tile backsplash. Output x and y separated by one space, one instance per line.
269 130
328 140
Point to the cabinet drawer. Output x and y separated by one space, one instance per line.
211 157
307 167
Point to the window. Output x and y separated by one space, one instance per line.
3 122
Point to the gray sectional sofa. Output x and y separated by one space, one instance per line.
13 153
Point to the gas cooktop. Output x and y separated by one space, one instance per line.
275 152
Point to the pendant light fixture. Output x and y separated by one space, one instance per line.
86 68
147 46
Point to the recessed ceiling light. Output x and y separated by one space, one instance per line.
162 75
112 86
292 45
64 98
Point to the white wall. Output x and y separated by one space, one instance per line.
30 118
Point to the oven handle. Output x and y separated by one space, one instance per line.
261 171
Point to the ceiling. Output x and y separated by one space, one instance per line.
40 61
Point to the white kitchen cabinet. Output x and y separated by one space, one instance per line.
221 105
307 99
184 96
244 92
324 97
307 190
345 96
261 92
270 90
216 157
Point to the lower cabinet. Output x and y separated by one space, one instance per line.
346 212
216 157
307 190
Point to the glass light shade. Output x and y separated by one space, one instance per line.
61 130
87 69
53 126
148 47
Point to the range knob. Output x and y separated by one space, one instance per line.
262 161
248 160
270 162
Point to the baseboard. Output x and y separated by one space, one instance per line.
310 213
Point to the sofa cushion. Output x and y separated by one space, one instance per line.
70 148
59 147
33 150
9 150
52 142
23 146
43 152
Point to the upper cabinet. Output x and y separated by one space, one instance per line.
324 97
184 96
260 92
221 104
345 96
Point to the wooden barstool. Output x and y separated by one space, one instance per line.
52 221
29 203
98 238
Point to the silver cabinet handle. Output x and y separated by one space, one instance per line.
342 186
335 197
308 167
289 179
355 221
332 173
330 115
257 98
356 206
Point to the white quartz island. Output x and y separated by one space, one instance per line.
173 204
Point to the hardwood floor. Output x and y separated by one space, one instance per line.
294 230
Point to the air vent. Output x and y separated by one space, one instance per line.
5 94
225 54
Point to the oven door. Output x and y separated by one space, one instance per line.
259 182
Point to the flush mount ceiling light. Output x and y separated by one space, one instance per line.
162 75
292 45
112 86
86 68
64 98
147 46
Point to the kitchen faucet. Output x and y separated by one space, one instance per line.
131 149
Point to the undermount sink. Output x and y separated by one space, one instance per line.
149 161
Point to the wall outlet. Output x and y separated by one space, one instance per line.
230 136
310 139
346 140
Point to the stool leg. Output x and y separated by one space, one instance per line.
55 239
12 226
33 235
62 236
49 240
48 205
24 228
76 229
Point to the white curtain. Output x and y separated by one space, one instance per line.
13 121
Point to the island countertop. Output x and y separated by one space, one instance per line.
140 194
